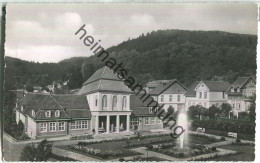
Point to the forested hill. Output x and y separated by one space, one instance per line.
165 54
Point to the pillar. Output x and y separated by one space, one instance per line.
96 125
108 124
127 122
117 123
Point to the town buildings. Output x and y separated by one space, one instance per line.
105 104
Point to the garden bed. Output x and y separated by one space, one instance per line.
185 152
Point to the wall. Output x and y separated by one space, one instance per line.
31 128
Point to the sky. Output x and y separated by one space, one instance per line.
45 32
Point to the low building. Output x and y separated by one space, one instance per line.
239 94
143 117
207 93
47 115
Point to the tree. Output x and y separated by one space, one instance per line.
213 111
252 113
41 153
225 109
28 153
44 151
170 110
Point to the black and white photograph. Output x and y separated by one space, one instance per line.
129 82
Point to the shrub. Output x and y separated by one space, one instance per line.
238 140
121 160
223 138
149 146
213 148
181 154
61 158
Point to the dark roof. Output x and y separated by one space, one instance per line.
104 79
139 108
70 106
191 91
155 83
239 83
214 86
162 87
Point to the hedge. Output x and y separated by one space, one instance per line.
245 127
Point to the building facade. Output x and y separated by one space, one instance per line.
207 93
239 94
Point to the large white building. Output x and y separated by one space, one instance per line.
207 93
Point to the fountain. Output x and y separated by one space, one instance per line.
182 120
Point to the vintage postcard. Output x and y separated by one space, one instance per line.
129 81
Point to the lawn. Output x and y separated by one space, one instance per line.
245 153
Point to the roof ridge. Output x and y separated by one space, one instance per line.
60 105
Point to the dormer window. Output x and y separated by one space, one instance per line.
22 108
33 113
48 113
232 89
57 113
238 89
16 105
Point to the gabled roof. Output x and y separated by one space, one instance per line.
104 79
70 106
239 83
216 86
162 87
213 86
191 91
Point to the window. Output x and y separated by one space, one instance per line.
52 126
233 105
43 127
152 120
84 124
162 98
200 95
22 108
114 102
77 125
104 102
61 126
33 113
238 90
150 110
238 106
146 121
223 94
124 102
57 113
205 95
170 98
96 101
179 98
48 113
73 125
232 89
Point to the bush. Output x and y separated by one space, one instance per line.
238 140
121 160
61 158
223 138
181 155
149 146
213 148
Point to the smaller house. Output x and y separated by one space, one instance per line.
46 115
239 94
207 93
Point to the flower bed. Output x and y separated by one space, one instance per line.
169 149
109 154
